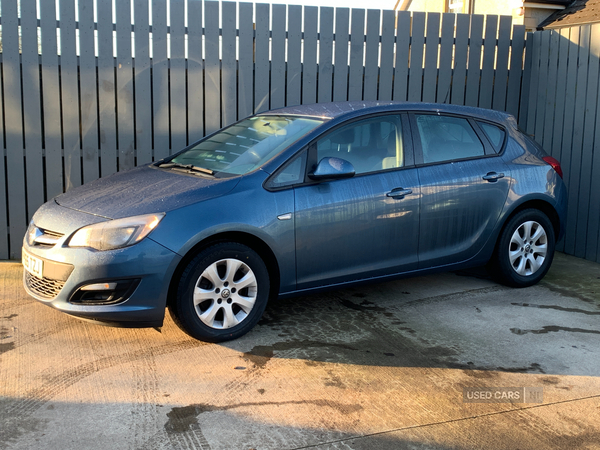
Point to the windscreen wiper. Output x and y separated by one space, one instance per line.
186 167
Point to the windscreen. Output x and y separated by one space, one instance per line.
248 144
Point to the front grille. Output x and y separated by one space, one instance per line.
44 287
42 237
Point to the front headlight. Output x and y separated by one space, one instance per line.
116 233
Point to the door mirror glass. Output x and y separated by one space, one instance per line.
330 168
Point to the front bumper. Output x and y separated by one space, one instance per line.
148 265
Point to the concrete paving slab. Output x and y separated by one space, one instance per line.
380 366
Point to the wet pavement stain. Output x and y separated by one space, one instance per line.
334 381
559 308
553 329
181 419
259 355
363 306
584 289
6 347
471 370
550 380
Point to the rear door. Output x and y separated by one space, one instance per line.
464 186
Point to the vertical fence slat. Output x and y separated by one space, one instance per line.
160 80
143 88
593 236
459 78
432 44
531 98
559 113
4 250
88 92
261 55
474 69
415 81
177 77
294 48
125 94
106 91
550 99
589 129
569 110
15 170
32 116
195 74
245 64
526 82
340 74
357 46
445 74
70 96
212 68
278 57
542 86
489 56
386 71
228 64
372 55
51 100
325 85
515 74
577 136
401 65
501 77
309 61
592 251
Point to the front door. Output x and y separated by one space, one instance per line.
365 226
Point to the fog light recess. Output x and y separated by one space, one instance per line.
104 292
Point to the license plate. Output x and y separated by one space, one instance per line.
32 264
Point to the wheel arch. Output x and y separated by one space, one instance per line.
255 243
541 205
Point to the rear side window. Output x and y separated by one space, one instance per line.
494 133
447 138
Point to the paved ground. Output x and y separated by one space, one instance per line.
377 367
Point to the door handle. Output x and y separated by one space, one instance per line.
399 193
492 177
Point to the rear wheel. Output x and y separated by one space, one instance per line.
222 293
525 249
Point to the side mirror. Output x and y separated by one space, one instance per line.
332 169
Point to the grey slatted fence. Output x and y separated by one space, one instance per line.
564 117
104 97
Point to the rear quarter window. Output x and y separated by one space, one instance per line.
494 133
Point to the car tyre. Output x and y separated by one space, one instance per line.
525 249
222 293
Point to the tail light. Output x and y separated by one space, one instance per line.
555 164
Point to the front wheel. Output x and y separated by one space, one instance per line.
222 293
525 249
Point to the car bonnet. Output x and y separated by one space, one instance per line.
143 190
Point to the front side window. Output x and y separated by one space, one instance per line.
369 145
247 145
447 138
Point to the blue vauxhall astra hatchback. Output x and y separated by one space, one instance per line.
294 201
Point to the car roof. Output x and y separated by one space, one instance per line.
335 110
